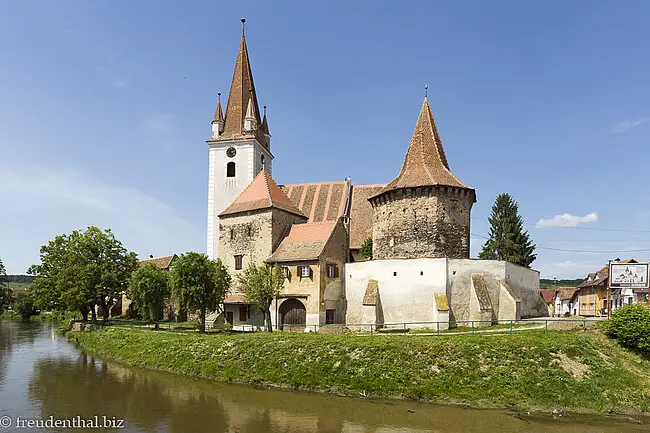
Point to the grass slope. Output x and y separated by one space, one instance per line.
568 370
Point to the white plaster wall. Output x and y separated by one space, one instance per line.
524 283
222 190
405 297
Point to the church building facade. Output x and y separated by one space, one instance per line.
419 224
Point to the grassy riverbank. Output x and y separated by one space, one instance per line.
574 371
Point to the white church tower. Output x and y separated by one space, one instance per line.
240 145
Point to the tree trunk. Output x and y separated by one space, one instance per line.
267 318
84 316
202 327
94 314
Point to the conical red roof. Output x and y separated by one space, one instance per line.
425 163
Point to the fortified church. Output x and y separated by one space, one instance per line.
419 224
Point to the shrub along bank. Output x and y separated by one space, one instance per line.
574 371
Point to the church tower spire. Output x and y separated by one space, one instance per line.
239 144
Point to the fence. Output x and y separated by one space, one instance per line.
402 328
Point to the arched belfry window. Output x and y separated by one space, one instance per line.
230 169
262 161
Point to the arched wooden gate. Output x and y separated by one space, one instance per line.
293 314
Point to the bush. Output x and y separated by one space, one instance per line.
630 326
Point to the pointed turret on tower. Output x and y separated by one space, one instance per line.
428 204
239 144
218 120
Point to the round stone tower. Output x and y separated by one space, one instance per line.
425 210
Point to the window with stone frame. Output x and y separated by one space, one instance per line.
285 272
304 271
239 261
332 270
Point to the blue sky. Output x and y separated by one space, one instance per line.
105 107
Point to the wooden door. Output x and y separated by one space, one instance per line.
229 317
293 313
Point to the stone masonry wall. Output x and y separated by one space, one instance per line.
422 222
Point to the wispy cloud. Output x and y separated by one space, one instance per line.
107 74
567 220
40 203
626 125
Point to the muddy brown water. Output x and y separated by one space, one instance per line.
45 378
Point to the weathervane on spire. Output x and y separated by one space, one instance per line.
243 23
265 110
426 90
219 96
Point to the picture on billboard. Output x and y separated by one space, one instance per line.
632 275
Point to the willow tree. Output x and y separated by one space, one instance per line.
507 238
148 289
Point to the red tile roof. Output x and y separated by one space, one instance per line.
425 163
548 295
361 214
235 298
262 193
320 201
304 242
163 262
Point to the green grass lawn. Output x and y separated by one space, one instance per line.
570 370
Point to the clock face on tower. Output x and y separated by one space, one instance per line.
231 152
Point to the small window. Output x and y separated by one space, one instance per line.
262 161
394 274
332 270
243 313
285 272
230 169
232 234
305 271
249 230
239 259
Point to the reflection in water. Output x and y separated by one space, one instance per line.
66 383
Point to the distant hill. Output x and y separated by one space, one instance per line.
546 283
24 279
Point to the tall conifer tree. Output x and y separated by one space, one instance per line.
508 240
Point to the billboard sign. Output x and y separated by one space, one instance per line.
628 275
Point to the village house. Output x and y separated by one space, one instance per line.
567 301
549 298
419 224
593 293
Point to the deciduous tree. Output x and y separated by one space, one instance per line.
262 284
5 291
507 238
82 271
148 289
199 283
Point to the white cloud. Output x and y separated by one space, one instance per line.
567 220
567 269
626 125
40 203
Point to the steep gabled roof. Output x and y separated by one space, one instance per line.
425 163
262 193
218 113
547 294
566 293
304 242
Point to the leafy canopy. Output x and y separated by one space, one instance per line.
507 238
200 283
82 270
5 292
262 284
148 289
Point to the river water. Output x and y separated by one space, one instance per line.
44 378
